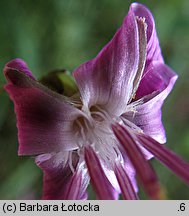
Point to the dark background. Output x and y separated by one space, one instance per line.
57 34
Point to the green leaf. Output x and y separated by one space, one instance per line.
60 81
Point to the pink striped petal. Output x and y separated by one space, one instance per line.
44 118
157 86
100 183
167 157
59 182
153 48
151 79
107 80
159 78
144 171
125 183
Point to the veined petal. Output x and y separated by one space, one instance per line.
153 48
44 118
153 53
60 183
108 79
160 78
144 171
100 183
147 115
166 156
142 27
125 183
130 170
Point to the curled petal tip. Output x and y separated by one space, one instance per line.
153 47
16 65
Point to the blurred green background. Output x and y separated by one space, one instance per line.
60 34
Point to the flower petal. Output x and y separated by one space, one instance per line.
153 48
107 80
144 171
44 118
167 157
130 170
100 183
147 115
153 52
19 65
125 183
142 27
59 181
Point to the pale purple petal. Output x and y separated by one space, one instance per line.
153 52
153 48
44 118
142 28
147 115
100 183
130 170
59 182
160 78
167 157
110 174
107 80
144 171
125 183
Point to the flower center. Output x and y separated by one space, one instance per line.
94 129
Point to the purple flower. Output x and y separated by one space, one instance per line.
108 133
